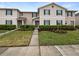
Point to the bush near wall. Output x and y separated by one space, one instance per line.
7 27
77 26
55 27
27 27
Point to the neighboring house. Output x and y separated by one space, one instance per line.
51 14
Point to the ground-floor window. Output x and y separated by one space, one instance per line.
59 22
9 22
46 22
72 22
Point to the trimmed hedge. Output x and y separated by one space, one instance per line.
77 26
27 27
55 27
7 27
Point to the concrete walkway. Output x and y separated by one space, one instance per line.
35 50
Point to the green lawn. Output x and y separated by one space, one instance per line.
3 31
51 38
16 38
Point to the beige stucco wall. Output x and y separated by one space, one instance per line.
28 15
77 20
4 17
53 17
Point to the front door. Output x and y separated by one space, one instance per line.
19 22
36 22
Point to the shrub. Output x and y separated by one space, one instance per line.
27 27
60 31
55 27
77 26
7 27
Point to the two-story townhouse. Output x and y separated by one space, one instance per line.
12 16
53 14
8 16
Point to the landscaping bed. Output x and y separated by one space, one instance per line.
52 38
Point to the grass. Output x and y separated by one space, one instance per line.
3 31
16 38
51 38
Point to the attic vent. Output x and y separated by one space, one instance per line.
52 6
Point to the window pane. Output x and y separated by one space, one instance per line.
59 22
58 12
9 22
46 12
46 22
8 12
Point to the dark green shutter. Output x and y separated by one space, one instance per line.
11 21
6 12
6 21
11 12
56 12
61 12
44 22
44 12
49 12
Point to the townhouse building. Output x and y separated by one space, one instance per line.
51 14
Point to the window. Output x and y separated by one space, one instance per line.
59 22
72 22
9 22
58 12
70 14
46 12
46 22
8 12
34 14
65 22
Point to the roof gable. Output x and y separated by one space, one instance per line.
52 4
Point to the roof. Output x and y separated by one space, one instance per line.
56 5
52 4
72 10
9 8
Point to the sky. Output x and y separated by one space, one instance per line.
33 6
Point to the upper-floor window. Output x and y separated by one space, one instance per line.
34 14
8 22
70 14
46 12
46 22
59 12
8 12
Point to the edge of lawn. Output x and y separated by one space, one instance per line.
18 45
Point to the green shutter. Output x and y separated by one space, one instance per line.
49 12
61 12
44 12
56 12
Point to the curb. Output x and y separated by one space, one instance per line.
63 54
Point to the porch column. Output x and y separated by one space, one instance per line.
22 22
